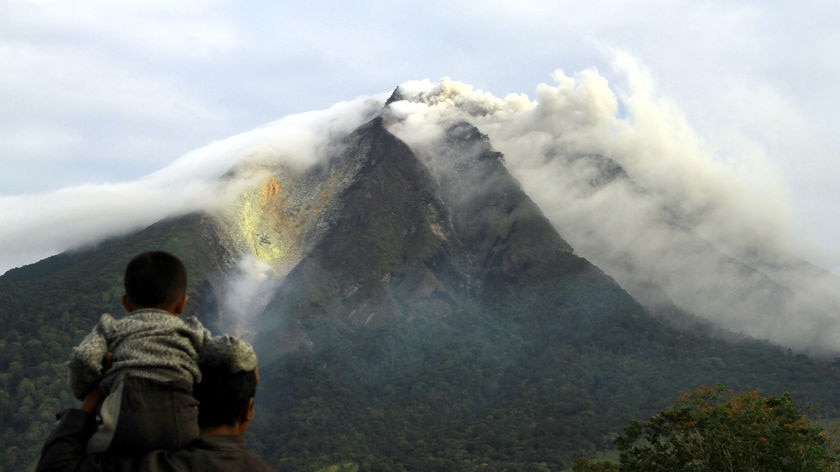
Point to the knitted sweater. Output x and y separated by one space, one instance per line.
152 344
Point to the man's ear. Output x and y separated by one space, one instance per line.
247 412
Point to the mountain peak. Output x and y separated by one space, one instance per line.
413 288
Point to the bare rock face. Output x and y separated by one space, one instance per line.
379 234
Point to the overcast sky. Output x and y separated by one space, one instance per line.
100 93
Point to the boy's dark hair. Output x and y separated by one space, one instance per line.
155 279
222 395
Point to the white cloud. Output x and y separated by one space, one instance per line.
97 83
191 31
38 225
684 221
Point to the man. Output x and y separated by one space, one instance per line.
226 396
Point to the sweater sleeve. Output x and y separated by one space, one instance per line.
85 364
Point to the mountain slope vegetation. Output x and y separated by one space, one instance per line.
418 327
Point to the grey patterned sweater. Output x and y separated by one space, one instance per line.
153 344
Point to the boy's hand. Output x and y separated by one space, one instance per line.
92 399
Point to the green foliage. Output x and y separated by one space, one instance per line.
714 429
531 384
585 465
547 371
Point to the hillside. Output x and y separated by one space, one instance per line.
419 314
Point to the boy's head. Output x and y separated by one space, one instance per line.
155 279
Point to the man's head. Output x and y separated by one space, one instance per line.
228 384
155 279
225 399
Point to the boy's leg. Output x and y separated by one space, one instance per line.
109 412
154 415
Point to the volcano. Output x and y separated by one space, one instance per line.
413 309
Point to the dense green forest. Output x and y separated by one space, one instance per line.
532 383
499 395
714 428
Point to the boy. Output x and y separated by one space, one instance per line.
227 389
154 344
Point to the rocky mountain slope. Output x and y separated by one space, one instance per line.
413 309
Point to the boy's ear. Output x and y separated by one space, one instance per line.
178 307
126 303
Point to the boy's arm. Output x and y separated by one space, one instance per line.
86 366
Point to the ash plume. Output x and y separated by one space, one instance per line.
622 176
616 168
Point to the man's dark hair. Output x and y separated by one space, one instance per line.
155 279
222 395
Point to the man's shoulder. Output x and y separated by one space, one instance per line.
198 456
223 453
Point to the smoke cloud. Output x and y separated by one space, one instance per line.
677 225
616 168
246 295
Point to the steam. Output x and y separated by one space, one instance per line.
682 225
246 295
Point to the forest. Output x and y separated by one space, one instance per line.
533 384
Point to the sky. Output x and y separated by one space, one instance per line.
109 108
